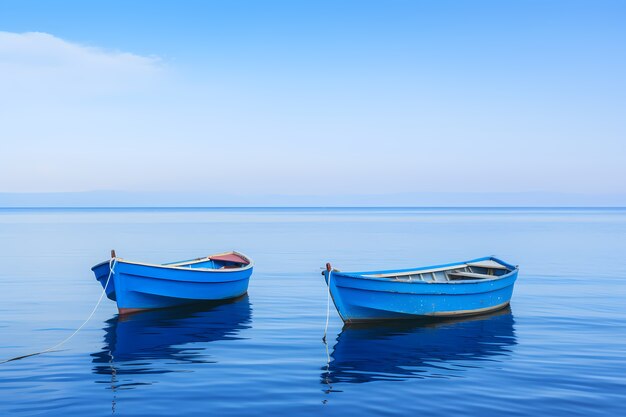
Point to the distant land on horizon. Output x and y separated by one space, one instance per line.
206 199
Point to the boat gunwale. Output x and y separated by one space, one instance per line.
182 268
441 288
370 275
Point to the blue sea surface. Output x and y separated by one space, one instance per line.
559 350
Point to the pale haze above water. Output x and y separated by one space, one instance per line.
314 98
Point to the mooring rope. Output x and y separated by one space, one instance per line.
61 343
328 296
327 375
327 307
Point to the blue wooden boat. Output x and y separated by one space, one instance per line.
451 290
139 286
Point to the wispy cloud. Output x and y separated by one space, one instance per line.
35 64
61 103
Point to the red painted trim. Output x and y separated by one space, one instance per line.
231 257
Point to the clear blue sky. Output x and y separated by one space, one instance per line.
313 97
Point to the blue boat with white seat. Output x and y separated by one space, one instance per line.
451 290
139 286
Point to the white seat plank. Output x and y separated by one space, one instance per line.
487 264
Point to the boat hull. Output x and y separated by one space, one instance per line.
360 299
137 287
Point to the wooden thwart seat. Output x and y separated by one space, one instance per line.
473 275
489 264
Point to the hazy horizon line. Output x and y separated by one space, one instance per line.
183 199
312 207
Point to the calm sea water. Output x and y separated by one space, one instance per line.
559 350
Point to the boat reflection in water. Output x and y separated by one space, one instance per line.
396 352
159 341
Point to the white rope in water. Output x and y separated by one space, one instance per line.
327 307
327 376
61 343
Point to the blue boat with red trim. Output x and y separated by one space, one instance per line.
139 286
441 291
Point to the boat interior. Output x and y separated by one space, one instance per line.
487 269
221 261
